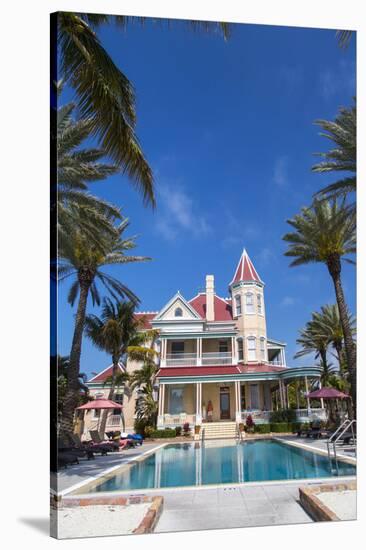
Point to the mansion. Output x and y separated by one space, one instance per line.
217 361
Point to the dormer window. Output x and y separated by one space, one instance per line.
178 312
259 304
249 303
238 305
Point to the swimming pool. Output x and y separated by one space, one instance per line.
217 462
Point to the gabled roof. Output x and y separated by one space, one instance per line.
245 270
103 375
222 308
178 298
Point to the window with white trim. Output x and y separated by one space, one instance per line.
240 350
238 305
249 303
263 348
259 303
178 312
251 348
223 346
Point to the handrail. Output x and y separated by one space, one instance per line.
346 421
340 431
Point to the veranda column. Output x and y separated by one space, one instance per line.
199 352
163 352
321 399
237 402
307 391
199 403
161 405
281 394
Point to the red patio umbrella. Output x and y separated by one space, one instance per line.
327 393
100 404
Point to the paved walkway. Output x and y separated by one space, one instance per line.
318 444
231 507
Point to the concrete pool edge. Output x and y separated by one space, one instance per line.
83 487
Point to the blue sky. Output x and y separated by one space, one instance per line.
228 128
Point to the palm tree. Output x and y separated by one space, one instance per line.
147 406
82 258
326 233
76 168
341 158
312 342
113 332
105 95
328 324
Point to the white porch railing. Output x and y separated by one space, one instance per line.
276 363
258 416
179 419
217 358
181 359
114 420
311 414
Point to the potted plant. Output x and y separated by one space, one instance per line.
186 429
241 427
249 422
197 429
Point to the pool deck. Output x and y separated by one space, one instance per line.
187 509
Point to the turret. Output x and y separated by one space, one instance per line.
246 289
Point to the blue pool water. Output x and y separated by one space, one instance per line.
216 462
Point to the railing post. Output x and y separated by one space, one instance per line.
161 405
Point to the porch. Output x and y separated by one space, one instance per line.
200 402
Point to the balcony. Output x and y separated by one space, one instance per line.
191 359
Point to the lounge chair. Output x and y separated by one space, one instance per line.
68 447
89 446
110 444
65 458
136 438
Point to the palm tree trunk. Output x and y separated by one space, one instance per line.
334 267
110 395
73 389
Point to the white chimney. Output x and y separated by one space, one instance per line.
210 294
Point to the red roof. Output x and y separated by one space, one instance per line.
245 270
166 372
146 318
222 309
104 374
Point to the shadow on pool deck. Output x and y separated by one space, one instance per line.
78 473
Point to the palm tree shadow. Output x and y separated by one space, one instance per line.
39 524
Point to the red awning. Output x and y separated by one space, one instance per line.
327 393
100 404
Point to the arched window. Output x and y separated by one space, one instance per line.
178 312
249 303
263 348
251 348
240 349
259 303
238 305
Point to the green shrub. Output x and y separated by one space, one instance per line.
288 415
278 427
262 428
178 431
141 425
149 430
168 432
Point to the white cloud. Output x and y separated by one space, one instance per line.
342 80
280 171
288 301
177 213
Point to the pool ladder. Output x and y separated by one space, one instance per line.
334 442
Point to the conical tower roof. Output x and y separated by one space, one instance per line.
245 271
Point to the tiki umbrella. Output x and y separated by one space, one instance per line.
99 404
329 394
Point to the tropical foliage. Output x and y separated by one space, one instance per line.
342 157
326 233
83 260
113 332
